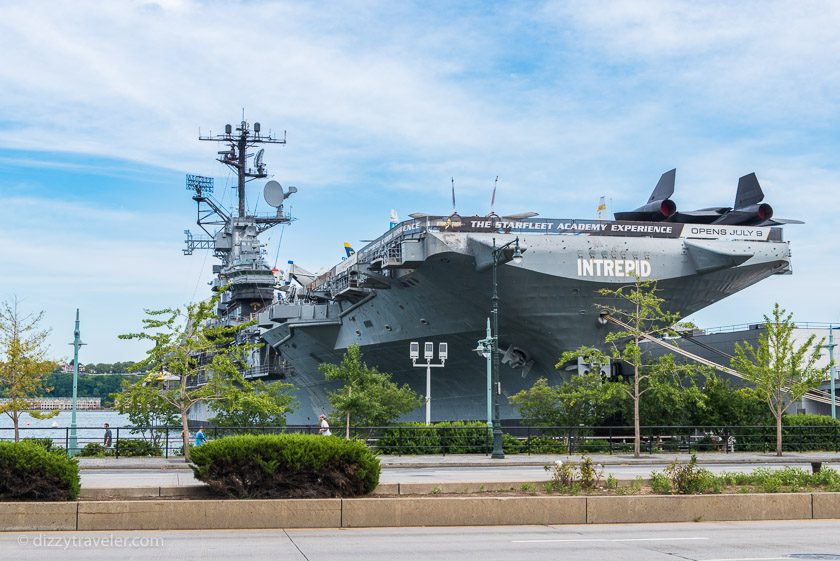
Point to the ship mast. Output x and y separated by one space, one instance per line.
237 156
213 218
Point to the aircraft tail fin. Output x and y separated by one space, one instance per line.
749 191
665 187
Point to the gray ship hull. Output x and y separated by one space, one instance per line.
547 306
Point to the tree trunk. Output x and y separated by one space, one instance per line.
185 434
347 427
779 434
16 422
637 429
347 422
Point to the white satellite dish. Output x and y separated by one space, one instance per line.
273 193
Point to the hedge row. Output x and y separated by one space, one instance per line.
286 466
455 437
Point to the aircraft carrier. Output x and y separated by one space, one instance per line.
429 279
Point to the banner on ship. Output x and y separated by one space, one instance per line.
558 226
457 223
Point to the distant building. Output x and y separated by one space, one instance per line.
61 403
67 367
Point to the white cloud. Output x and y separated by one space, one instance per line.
384 102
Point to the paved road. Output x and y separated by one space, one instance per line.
749 541
109 478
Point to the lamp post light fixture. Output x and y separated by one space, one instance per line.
485 349
73 443
428 354
501 255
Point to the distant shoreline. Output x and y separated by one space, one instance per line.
101 409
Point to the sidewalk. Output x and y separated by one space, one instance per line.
512 460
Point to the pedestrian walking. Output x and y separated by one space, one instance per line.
106 440
325 426
199 437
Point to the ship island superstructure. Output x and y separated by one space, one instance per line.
429 279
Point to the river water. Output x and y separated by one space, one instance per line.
88 423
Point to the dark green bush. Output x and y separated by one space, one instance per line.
410 438
593 445
28 472
511 444
45 443
96 449
546 444
286 466
459 437
137 447
810 432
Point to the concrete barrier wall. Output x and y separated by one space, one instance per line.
37 516
209 514
410 511
826 505
463 511
697 508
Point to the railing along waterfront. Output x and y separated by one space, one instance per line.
468 439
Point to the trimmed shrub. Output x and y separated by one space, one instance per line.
409 439
546 444
810 432
459 437
137 447
286 466
511 444
45 443
95 449
28 472
593 445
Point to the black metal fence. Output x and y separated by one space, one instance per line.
469 439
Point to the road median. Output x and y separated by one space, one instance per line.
405 511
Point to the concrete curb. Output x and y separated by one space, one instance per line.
411 511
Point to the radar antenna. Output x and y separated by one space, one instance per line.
236 156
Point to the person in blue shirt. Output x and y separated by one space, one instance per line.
199 437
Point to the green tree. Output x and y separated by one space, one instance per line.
146 407
265 405
723 405
367 396
23 362
582 400
672 392
193 358
640 312
780 371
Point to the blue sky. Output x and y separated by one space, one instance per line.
383 102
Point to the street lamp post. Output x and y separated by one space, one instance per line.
428 354
73 444
485 349
499 255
